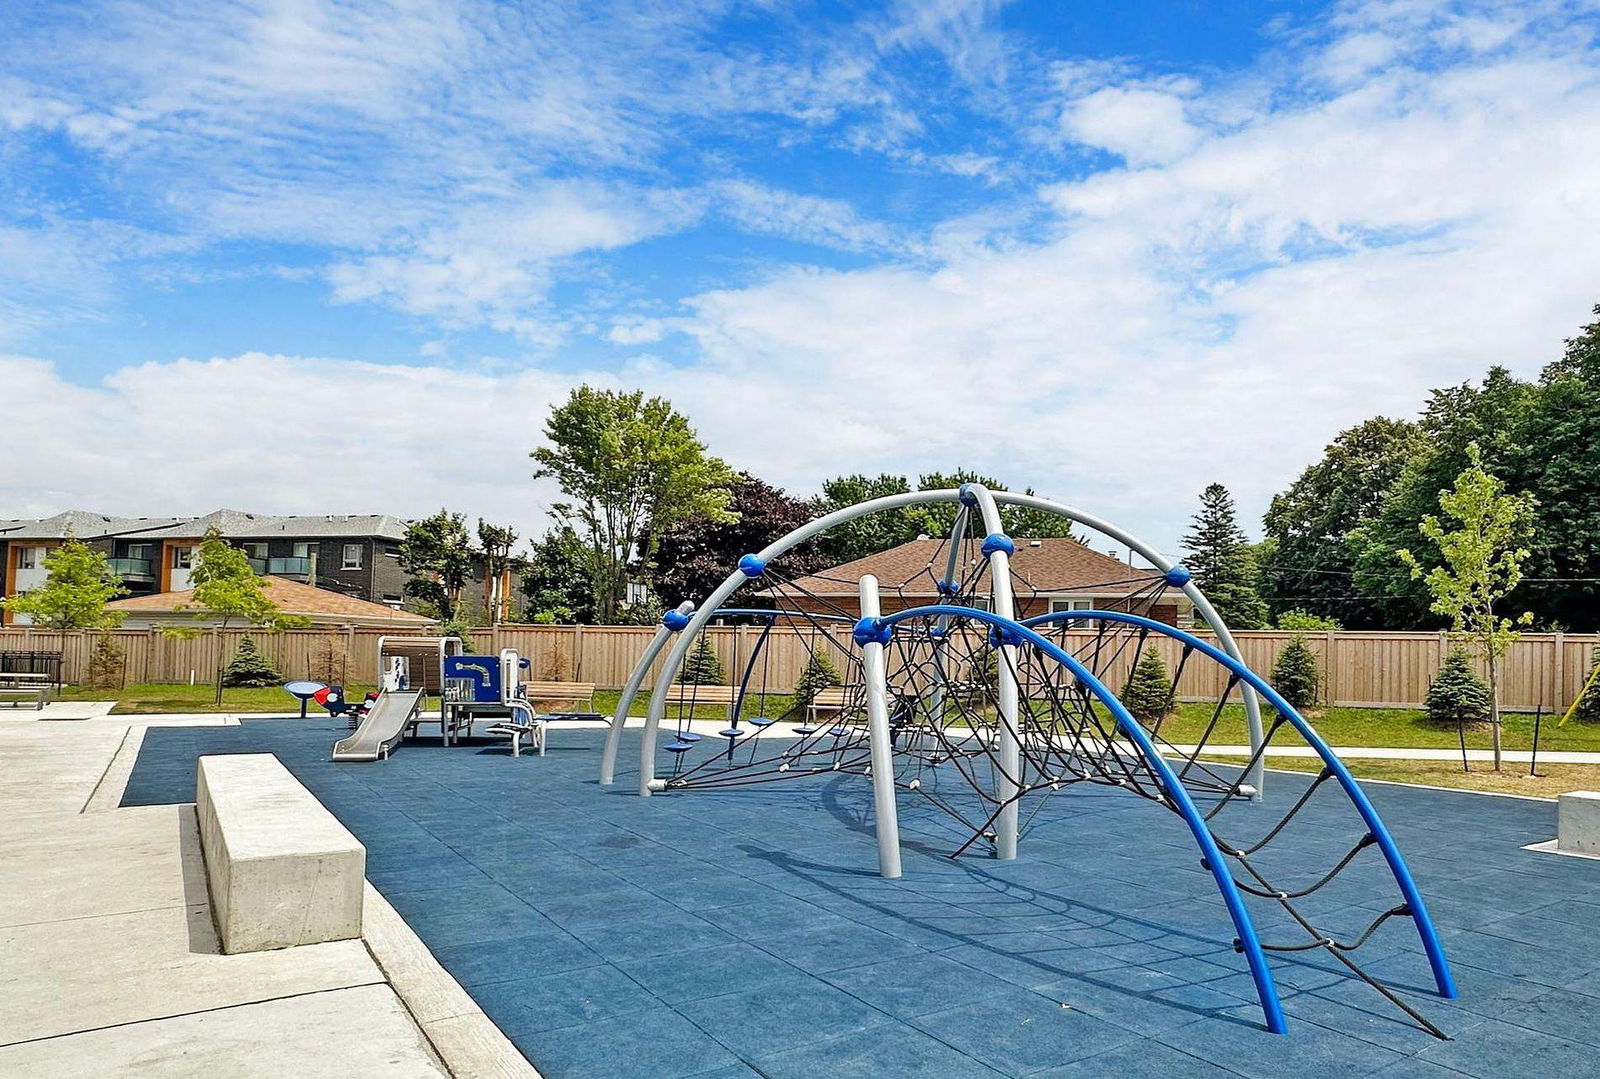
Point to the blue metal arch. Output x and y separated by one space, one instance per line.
1249 940
1369 815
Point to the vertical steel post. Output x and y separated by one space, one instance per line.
874 667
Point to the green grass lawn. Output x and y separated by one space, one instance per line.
1550 781
1340 726
158 697
1381 727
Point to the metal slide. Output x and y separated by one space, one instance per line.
383 727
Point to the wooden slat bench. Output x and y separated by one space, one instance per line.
831 700
578 696
682 693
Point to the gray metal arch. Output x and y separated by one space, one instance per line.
987 503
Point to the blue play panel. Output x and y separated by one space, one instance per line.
745 932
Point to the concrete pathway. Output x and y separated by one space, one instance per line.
1407 753
112 962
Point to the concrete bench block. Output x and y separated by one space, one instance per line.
1578 822
281 868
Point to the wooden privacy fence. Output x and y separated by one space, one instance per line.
1360 669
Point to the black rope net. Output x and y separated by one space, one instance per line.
944 678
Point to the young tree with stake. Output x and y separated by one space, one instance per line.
1482 551
225 587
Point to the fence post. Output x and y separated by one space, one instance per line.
577 653
1558 673
1328 695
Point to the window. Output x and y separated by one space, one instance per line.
302 550
1071 605
182 557
352 556
27 558
255 550
138 550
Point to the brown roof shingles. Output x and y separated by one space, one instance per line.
292 598
1044 565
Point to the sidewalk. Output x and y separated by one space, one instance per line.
1404 753
113 966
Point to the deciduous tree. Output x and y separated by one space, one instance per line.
1480 543
1308 560
495 542
79 582
225 588
694 556
630 466
438 554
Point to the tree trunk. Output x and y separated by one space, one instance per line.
216 639
1494 707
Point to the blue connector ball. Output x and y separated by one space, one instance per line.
998 541
1177 576
752 565
872 631
676 621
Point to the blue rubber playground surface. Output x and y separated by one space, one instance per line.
745 932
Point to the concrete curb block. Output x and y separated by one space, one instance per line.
470 1045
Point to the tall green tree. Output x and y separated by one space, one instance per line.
1555 456
495 543
880 531
630 466
1019 522
1308 560
869 534
694 556
556 584
225 588
1487 415
1480 542
79 582
1218 553
438 554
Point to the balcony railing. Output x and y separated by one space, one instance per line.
132 568
258 564
289 567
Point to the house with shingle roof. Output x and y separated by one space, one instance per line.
320 606
1051 574
354 554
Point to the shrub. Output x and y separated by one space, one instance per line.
458 628
701 667
107 664
330 661
1150 694
249 667
818 675
1296 675
1587 710
1305 622
1457 694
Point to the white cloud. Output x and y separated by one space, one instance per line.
1393 202
637 332
1142 124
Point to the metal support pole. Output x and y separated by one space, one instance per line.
1008 747
875 672
619 718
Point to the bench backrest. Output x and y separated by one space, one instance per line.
682 692
565 691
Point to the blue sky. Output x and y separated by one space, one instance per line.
307 256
